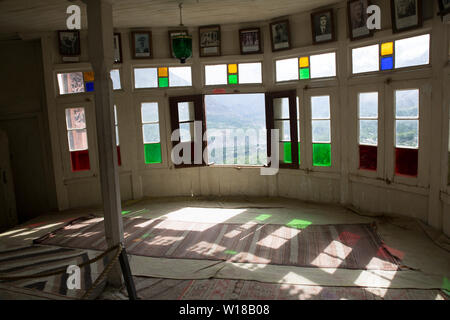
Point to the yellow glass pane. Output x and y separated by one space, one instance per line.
387 48
162 72
304 62
88 76
232 68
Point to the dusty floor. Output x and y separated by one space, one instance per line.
424 252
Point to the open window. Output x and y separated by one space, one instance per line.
281 114
187 117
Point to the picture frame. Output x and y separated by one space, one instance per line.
280 35
250 41
117 43
173 33
141 44
209 41
322 26
406 15
69 43
357 19
444 7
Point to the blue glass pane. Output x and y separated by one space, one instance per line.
387 63
89 86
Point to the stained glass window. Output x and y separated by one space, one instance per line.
162 77
70 82
368 130
321 130
406 131
233 73
116 126
115 77
150 131
77 138
282 122
306 67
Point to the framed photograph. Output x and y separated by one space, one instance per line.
209 41
444 7
406 15
142 44
280 35
357 19
173 33
250 41
322 24
117 48
69 42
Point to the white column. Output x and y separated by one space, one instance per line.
100 37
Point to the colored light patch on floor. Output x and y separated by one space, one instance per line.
349 238
299 224
230 252
263 217
446 286
125 212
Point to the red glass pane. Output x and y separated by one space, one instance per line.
368 157
119 158
80 160
406 161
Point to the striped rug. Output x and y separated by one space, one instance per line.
351 246
42 259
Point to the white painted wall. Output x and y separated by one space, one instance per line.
427 197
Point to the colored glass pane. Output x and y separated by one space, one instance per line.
119 157
406 161
88 76
152 152
387 49
303 62
89 86
162 72
368 157
304 73
232 79
163 82
80 160
287 153
322 154
387 63
232 68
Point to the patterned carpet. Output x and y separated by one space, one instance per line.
42 259
351 246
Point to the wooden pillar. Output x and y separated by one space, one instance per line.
100 36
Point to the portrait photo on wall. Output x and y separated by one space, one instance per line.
444 6
209 40
406 15
250 40
357 19
280 35
174 33
142 44
117 48
69 42
322 25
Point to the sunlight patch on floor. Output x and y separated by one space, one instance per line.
277 238
205 215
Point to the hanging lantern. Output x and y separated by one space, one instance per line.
182 47
182 44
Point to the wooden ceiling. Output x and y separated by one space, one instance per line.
26 16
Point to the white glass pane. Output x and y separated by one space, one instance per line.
412 51
320 107
70 82
366 59
285 129
117 136
321 131
75 118
186 111
180 77
368 105
216 74
186 132
407 133
115 115
287 69
145 78
407 104
77 140
115 77
323 65
151 133
298 118
368 132
281 108
150 112
250 73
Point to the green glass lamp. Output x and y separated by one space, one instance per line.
182 44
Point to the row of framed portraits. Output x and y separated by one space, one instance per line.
406 15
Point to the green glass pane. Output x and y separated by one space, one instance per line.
304 73
299 161
232 79
322 154
152 152
163 82
448 181
287 152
